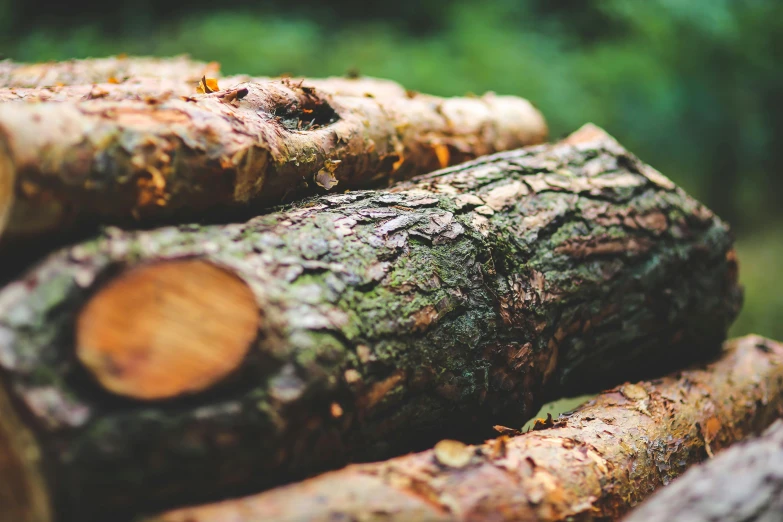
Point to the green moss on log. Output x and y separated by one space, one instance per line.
437 308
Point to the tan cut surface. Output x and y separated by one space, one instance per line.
7 176
23 490
167 329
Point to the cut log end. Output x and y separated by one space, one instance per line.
7 179
167 329
24 494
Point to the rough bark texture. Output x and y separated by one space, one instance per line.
234 151
592 464
742 484
388 319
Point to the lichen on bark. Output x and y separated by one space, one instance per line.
389 319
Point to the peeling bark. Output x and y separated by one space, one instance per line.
593 464
388 319
742 484
158 158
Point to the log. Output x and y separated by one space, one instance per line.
383 321
110 70
742 484
115 77
147 89
155 89
123 77
592 464
230 153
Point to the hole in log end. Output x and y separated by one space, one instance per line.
310 110
167 329
24 495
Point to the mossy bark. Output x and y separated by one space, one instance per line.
131 157
594 463
389 319
742 484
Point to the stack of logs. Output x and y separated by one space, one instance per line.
217 286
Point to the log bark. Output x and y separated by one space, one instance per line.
155 89
123 77
742 484
147 89
386 319
111 70
232 152
592 464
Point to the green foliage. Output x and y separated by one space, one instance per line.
760 256
692 87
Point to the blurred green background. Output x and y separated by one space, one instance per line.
693 87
